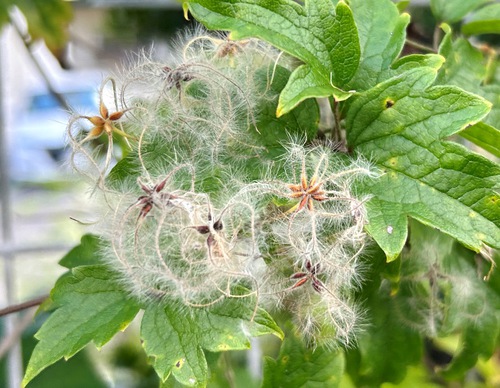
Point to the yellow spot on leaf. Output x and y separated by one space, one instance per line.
180 363
393 161
472 215
388 103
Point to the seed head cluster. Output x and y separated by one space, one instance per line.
196 208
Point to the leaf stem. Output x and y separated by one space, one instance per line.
23 306
491 64
420 46
436 38
336 134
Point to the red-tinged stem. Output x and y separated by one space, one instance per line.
23 306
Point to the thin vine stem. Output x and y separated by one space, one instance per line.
337 131
436 38
420 46
23 306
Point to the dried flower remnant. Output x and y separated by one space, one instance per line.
198 245
331 183
175 77
212 228
307 191
105 123
154 197
309 275
218 46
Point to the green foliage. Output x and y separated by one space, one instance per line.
92 307
484 21
452 11
441 293
469 68
240 201
324 37
87 253
47 19
484 136
381 38
217 328
422 173
300 366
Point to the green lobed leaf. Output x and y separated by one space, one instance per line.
465 67
227 369
303 84
400 124
87 253
452 11
93 307
299 366
478 339
484 136
321 35
175 336
381 35
484 21
302 121
416 377
492 94
409 62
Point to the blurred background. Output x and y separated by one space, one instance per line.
53 56
55 53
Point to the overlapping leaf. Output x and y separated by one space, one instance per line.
321 35
401 124
484 136
381 35
452 11
87 253
174 337
92 307
465 67
484 21
302 121
299 366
